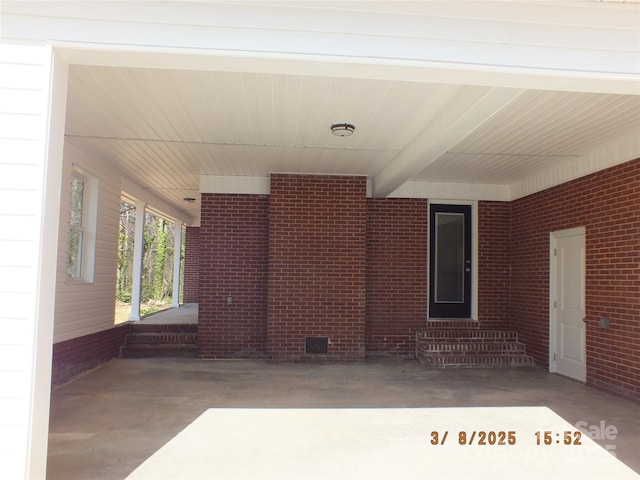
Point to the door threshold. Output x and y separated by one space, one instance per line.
452 320
453 323
583 382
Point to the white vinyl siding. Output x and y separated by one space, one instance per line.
88 306
24 107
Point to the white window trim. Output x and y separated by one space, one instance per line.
89 222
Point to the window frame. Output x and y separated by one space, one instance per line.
86 229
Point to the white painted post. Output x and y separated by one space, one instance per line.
138 252
177 245
47 270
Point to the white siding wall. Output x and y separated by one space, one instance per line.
82 309
24 110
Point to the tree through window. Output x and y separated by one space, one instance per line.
76 228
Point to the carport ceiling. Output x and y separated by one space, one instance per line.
164 128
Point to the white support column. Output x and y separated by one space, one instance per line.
177 245
138 253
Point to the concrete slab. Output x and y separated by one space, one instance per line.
187 313
384 443
107 423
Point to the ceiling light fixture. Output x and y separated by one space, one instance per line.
342 129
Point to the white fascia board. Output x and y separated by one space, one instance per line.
235 184
621 150
578 49
453 191
347 67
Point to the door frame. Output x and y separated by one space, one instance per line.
474 255
553 237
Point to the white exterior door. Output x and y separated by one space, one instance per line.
568 332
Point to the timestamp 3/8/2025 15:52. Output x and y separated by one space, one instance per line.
502 437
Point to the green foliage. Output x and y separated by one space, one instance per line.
125 252
157 261
147 311
161 256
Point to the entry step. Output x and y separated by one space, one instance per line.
471 348
161 340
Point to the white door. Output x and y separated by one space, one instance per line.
568 329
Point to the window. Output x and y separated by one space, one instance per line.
76 229
82 223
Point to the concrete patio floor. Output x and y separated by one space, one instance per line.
108 422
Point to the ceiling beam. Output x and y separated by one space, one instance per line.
466 112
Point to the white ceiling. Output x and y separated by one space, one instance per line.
165 128
537 130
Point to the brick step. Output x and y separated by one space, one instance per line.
146 351
452 324
485 361
160 338
164 327
467 335
471 348
480 348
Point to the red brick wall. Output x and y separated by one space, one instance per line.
607 203
494 259
317 252
191 265
396 275
74 357
233 263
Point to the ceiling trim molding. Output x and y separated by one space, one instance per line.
235 184
453 191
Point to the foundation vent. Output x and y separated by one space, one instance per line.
316 345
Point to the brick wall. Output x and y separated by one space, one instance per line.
233 263
317 252
74 357
494 259
190 289
327 245
396 275
607 203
